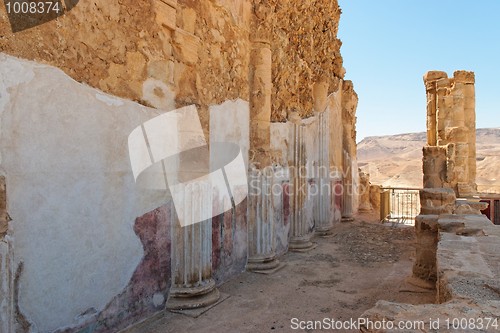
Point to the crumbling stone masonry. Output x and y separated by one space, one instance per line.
265 75
350 167
456 247
451 132
449 161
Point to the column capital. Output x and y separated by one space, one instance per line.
434 76
466 77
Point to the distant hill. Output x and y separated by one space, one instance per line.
396 160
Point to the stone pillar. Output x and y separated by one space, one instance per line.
467 79
375 197
260 102
192 283
300 239
364 192
430 81
261 234
261 230
322 215
434 167
451 125
426 230
347 214
349 105
433 202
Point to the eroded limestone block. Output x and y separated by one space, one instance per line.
166 13
185 46
375 196
426 229
464 77
187 20
457 134
436 201
434 75
364 192
434 166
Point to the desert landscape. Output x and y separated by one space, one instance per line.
396 160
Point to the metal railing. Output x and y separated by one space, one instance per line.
399 204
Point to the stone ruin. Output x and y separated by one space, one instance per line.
456 246
265 75
450 154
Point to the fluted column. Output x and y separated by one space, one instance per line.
323 217
466 81
430 81
347 214
192 283
300 239
261 228
261 235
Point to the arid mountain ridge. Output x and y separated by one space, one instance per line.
396 160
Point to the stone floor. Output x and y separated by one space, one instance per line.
340 279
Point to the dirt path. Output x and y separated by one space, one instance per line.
341 278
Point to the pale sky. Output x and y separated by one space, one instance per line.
388 46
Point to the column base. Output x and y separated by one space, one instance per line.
262 263
301 244
185 298
347 219
324 233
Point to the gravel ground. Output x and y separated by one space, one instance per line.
346 274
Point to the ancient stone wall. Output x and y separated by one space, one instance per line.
167 53
160 53
279 56
82 231
246 65
306 51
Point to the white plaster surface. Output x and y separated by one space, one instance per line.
280 136
71 192
229 122
229 145
336 137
